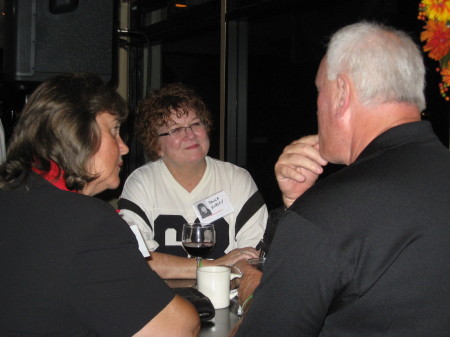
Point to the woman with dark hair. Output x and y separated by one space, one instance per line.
203 210
70 265
173 124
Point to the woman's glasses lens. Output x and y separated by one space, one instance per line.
195 127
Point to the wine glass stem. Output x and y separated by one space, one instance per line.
198 261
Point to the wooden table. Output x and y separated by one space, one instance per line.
223 321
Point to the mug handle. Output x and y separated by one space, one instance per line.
233 276
234 292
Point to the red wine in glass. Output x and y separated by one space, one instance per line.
198 240
198 249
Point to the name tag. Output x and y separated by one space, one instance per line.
212 208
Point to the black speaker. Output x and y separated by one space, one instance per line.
49 37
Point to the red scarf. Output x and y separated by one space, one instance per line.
55 176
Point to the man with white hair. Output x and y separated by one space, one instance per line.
365 251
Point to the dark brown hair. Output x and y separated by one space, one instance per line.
58 124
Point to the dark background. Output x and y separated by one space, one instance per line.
285 50
286 41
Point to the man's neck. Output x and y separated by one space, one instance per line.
372 122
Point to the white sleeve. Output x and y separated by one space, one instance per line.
134 190
147 234
253 230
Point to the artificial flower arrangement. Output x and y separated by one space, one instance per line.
436 35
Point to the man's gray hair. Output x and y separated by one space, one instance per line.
385 64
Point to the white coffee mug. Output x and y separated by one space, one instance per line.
214 282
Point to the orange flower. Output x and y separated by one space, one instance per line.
446 75
437 35
437 9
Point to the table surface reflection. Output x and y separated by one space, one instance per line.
222 323
224 319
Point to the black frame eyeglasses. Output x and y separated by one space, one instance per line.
195 127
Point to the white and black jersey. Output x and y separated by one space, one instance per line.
154 201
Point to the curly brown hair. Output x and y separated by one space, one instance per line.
157 109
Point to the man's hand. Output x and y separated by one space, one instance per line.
251 277
298 168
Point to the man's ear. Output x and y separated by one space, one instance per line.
343 94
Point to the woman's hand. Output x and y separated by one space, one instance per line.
236 255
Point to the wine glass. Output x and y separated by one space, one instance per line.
198 240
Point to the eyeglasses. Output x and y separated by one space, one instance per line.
176 132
